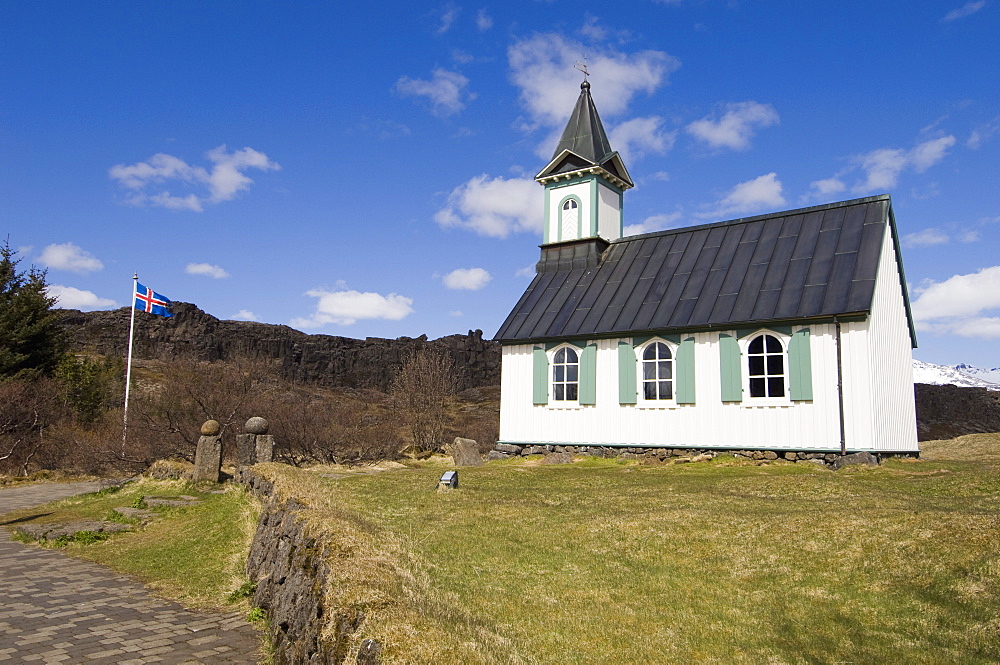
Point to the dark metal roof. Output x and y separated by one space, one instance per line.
793 265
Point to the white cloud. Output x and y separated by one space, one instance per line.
633 138
226 179
526 271
968 9
448 17
653 223
736 126
925 238
69 297
467 279
661 176
68 256
882 167
983 133
169 201
751 196
820 189
542 68
446 91
960 305
206 269
927 154
494 208
223 181
347 307
593 30
969 236
483 20
244 315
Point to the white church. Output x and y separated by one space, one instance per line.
789 331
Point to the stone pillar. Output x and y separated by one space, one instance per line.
255 445
208 455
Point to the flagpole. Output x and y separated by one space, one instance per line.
128 370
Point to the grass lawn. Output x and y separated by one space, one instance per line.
714 562
607 562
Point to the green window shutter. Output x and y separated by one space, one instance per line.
800 366
729 369
540 376
588 375
626 374
684 372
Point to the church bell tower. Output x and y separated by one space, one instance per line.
584 183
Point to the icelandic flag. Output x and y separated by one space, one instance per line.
148 300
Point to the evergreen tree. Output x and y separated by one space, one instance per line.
31 340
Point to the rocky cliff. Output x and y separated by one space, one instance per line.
323 360
944 412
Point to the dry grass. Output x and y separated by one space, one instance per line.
601 562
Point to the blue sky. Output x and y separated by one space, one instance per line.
364 169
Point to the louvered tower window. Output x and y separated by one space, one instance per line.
570 217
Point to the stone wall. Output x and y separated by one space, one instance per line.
324 360
290 570
563 454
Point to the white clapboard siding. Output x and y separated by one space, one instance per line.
709 423
881 367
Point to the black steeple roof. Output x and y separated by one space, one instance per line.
584 146
584 134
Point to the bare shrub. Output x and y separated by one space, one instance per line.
28 409
333 428
166 416
420 394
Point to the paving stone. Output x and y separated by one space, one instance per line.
57 609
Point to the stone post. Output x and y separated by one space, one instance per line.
255 445
208 454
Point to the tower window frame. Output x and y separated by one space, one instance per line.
570 204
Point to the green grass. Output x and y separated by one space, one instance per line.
193 554
714 562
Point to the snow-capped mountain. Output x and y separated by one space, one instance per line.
991 375
959 375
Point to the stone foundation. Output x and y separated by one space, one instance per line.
510 450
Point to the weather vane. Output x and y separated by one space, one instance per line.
582 66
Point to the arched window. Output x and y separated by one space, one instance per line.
565 375
569 218
766 364
657 372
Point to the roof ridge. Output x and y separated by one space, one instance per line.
755 218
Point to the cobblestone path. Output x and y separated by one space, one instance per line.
57 609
